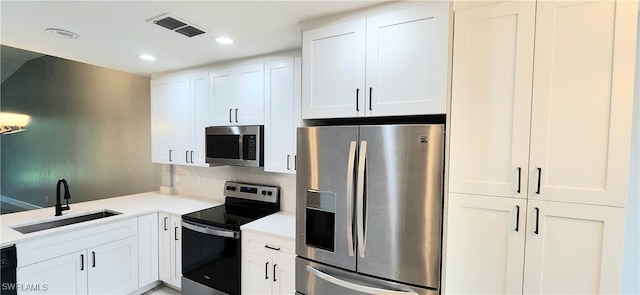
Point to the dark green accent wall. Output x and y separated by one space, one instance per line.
89 125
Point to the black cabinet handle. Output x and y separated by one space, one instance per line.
370 94
236 115
519 178
295 162
357 99
81 261
274 272
517 217
170 151
272 248
186 156
537 220
165 223
175 233
539 179
230 110
288 158
266 270
93 254
191 156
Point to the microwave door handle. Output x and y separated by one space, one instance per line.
355 287
362 159
350 166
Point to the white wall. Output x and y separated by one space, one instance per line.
631 264
208 182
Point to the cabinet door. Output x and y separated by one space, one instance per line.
183 121
62 275
199 92
573 248
582 101
333 77
491 99
485 244
164 247
249 101
257 274
176 251
222 92
285 277
147 249
164 98
279 115
113 267
407 61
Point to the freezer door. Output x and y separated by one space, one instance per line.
326 161
400 207
314 278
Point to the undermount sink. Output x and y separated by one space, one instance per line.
25 229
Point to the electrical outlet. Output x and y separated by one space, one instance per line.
198 179
46 199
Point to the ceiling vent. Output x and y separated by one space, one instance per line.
176 24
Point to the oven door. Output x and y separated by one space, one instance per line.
210 258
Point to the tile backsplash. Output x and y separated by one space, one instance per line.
208 182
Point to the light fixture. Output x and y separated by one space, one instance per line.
62 33
13 123
147 57
224 40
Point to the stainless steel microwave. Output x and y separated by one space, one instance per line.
235 145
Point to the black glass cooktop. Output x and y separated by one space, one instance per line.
230 215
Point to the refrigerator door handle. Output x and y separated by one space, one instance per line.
350 165
360 198
355 287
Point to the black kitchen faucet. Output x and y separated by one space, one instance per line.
67 196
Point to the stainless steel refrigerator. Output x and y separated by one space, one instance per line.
369 209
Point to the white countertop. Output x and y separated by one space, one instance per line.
130 206
279 224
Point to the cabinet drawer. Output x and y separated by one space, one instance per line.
69 242
272 246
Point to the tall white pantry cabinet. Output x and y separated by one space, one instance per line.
540 135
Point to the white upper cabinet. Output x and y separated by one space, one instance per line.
390 64
168 97
282 114
407 60
237 95
557 128
582 101
333 71
491 99
179 114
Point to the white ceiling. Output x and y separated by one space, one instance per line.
114 33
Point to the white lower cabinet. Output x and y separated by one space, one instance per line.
501 245
111 268
62 275
147 249
573 248
268 264
170 249
485 252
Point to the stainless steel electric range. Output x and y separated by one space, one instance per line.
211 244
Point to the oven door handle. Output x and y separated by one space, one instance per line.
201 228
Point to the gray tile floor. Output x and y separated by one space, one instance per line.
162 290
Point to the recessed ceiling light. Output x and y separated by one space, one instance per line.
62 33
146 57
224 40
